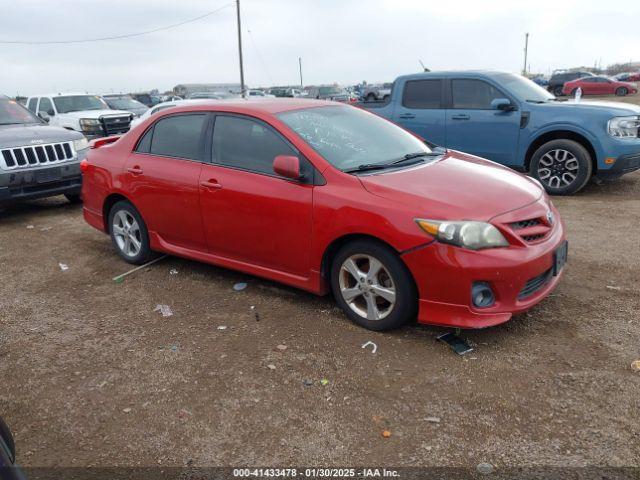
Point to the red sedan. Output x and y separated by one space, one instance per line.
599 86
329 198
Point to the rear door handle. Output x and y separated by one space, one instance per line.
135 170
211 184
406 115
461 117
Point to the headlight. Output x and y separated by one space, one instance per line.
471 235
89 124
624 127
80 144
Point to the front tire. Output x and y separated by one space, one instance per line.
373 286
622 91
562 166
129 233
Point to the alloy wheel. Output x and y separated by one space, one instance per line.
367 287
558 168
127 234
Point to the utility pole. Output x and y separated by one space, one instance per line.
300 66
526 47
242 89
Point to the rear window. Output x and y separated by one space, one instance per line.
178 136
422 94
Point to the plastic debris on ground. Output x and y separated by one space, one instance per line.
281 347
373 345
173 348
613 287
324 382
164 310
635 365
63 266
386 434
432 419
30 227
255 313
173 271
222 327
457 343
271 366
307 382
126 410
484 468
120 278
238 287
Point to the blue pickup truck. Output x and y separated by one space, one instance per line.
508 119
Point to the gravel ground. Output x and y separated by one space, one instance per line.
93 376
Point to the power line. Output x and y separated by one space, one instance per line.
115 37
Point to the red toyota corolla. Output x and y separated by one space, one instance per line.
329 197
599 86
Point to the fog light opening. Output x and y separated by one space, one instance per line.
481 295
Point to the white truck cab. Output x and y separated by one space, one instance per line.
87 114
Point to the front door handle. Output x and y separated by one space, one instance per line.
406 116
461 117
211 184
135 170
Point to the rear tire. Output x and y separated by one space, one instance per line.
371 97
373 286
557 90
129 233
562 166
621 91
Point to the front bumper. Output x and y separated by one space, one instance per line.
444 275
41 182
624 164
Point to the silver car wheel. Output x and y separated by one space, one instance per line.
558 168
127 234
367 287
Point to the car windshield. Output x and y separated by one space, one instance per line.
348 137
329 90
524 88
78 103
12 113
123 103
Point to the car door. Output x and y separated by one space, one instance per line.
589 86
474 126
162 177
605 86
421 111
249 213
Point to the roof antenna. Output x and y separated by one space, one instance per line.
423 67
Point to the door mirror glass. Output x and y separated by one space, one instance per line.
51 113
44 116
501 104
6 441
287 166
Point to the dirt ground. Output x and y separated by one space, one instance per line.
91 375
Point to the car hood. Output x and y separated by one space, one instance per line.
456 187
94 113
21 135
615 108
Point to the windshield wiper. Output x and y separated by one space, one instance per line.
534 101
409 158
12 123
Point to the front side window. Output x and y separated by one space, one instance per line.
12 113
348 137
78 103
247 144
32 104
45 106
470 94
422 94
178 136
589 80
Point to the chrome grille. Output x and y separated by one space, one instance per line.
29 156
116 125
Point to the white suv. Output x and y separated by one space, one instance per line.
88 114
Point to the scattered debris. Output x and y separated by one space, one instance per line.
432 419
255 313
271 366
46 229
29 227
102 384
635 365
457 343
386 434
173 271
165 310
173 348
184 413
120 278
484 468
126 410
64 267
222 327
307 382
375 347
238 287
324 382
281 347
613 287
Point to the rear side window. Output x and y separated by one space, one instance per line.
32 104
473 94
422 94
178 136
247 144
144 145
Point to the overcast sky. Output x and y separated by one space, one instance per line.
344 41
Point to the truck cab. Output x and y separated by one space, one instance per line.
509 119
87 114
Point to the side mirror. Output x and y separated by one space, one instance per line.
287 166
51 112
44 116
503 104
6 441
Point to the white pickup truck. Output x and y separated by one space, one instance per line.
87 114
